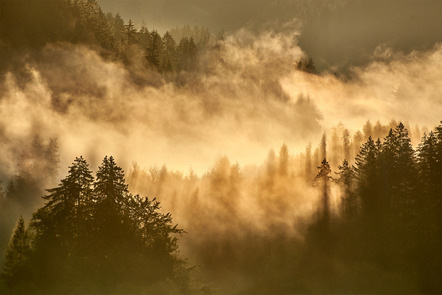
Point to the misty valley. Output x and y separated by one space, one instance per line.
198 160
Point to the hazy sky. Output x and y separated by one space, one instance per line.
334 32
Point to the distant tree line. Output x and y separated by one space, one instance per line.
93 236
27 26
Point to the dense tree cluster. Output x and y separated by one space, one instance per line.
92 235
29 25
390 211
377 216
360 213
376 219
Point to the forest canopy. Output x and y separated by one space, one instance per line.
94 234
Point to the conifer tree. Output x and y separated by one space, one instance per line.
345 179
131 33
155 233
155 51
187 52
429 206
169 55
323 177
111 220
64 221
17 254
366 176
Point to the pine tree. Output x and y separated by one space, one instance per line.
155 50
168 63
429 206
187 52
65 219
397 175
17 254
366 176
154 230
111 220
131 33
406 175
345 175
323 177
350 206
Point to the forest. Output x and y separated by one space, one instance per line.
188 161
375 220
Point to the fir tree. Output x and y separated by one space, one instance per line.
65 219
17 254
345 179
323 177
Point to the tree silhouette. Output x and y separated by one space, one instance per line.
349 201
93 234
323 177
63 224
14 271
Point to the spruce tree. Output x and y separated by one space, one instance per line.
14 271
111 221
323 177
345 179
168 62
64 221
429 206
366 176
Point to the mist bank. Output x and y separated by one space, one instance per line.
287 225
247 97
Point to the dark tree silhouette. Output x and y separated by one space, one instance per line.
93 235
323 178
345 178
14 265
64 222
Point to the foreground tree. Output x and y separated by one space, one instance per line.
94 235
66 216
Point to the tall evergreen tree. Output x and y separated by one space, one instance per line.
323 177
169 56
111 223
366 176
131 33
17 254
187 53
154 52
65 219
429 206
345 179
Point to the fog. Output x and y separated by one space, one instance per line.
232 147
248 98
